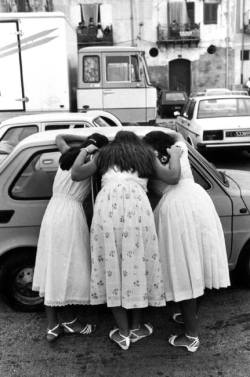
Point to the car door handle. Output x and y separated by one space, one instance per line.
5 216
108 91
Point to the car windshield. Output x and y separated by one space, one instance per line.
174 97
223 107
210 167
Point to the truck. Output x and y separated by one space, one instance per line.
41 70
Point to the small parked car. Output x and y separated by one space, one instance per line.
15 129
208 122
26 179
170 101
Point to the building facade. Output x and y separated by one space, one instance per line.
189 44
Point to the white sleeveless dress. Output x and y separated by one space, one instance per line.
126 269
191 238
62 268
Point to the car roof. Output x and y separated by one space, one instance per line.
57 117
48 138
222 96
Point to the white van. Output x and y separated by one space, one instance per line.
115 79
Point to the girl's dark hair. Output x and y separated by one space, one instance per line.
160 141
129 153
68 158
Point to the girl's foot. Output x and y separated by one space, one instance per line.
53 333
141 332
191 343
120 339
76 327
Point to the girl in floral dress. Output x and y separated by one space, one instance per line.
126 269
62 267
191 241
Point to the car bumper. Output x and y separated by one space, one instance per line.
206 146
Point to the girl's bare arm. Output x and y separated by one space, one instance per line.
170 174
81 170
63 140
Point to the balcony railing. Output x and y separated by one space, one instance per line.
178 34
90 36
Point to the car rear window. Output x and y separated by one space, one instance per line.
15 134
223 107
175 97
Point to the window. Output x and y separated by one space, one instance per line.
15 134
224 107
190 12
51 127
245 55
210 13
198 178
117 68
190 111
91 69
35 181
102 121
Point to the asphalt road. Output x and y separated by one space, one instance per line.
224 351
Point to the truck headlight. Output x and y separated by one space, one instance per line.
213 135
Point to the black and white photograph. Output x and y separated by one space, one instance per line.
124 188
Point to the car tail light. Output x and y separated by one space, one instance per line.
213 135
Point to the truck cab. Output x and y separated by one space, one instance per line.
116 79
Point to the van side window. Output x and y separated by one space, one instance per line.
91 69
15 134
117 68
35 181
198 178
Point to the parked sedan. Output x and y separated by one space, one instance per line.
170 101
26 178
15 129
216 122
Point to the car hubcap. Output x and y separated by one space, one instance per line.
22 287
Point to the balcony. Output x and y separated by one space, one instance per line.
94 36
178 34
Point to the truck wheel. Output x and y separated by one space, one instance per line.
16 282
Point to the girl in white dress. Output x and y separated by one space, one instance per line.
191 241
62 267
126 270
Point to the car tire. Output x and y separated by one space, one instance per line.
16 282
243 267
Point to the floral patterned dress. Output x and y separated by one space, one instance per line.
126 268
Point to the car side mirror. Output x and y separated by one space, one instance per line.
176 113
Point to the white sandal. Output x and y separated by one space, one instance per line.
88 329
176 319
192 347
135 337
124 339
51 335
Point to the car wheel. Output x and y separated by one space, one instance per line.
243 267
16 282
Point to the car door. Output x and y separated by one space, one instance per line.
209 180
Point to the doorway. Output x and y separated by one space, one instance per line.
180 75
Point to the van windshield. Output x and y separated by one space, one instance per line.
224 107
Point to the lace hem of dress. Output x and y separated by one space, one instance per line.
61 303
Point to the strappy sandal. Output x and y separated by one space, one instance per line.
135 337
86 330
192 347
124 343
178 318
52 335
